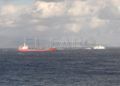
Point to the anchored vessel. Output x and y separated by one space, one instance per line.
25 48
99 47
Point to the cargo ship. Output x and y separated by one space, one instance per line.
25 48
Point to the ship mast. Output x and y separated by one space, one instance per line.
35 42
24 42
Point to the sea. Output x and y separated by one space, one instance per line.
61 68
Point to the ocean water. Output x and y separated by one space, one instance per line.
61 68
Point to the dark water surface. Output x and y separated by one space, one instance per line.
61 68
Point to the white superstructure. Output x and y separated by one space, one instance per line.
24 47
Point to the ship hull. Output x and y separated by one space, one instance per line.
39 50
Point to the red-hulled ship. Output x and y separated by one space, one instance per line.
25 48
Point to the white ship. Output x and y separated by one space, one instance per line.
99 47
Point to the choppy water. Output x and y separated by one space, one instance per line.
61 68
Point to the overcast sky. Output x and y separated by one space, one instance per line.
97 20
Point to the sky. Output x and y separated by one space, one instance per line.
91 20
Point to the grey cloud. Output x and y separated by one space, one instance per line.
50 0
109 13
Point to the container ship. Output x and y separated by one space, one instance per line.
25 48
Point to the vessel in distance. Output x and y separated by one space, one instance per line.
25 48
99 47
